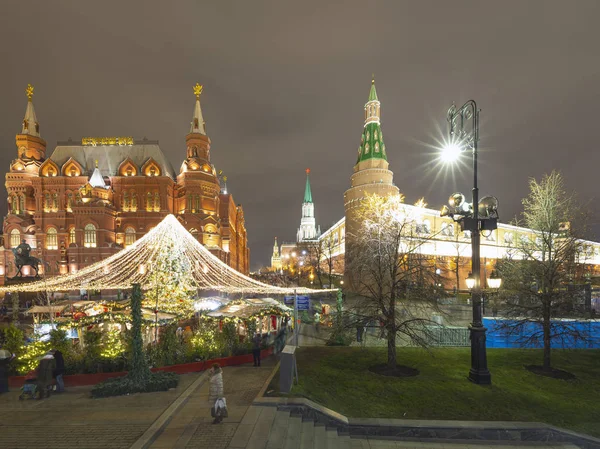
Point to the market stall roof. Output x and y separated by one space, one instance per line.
134 265
56 308
248 307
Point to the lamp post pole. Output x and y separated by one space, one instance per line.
457 118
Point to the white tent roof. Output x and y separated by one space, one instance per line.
134 264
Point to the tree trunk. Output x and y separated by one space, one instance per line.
547 344
391 345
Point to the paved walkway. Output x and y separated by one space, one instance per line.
73 420
191 427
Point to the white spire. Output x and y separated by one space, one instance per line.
197 125
96 179
30 123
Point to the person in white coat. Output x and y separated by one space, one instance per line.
215 376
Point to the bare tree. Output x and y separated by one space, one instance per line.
541 266
320 257
388 270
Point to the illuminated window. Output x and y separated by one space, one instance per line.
51 239
15 238
129 236
55 202
156 202
69 201
126 203
22 203
89 236
72 236
149 202
508 238
133 207
47 202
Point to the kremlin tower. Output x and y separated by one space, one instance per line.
308 229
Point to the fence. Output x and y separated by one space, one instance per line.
446 336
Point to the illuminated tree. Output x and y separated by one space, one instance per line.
542 266
395 282
112 344
171 282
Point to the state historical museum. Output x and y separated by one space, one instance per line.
89 199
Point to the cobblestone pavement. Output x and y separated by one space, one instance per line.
74 420
192 428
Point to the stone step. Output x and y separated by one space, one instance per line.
294 431
307 436
262 429
279 431
333 439
320 441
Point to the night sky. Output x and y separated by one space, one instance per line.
285 85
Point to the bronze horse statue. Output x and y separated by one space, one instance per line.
22 258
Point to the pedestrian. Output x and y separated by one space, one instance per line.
359 332
44 373
5 358
59 371
256 341
215 393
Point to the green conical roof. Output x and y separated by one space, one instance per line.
307 192
371 140
373 92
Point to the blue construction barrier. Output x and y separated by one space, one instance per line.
501 333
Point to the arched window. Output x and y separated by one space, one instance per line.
70 201
47 202
51 239
22 203
156 202
194 233
89 236
149 202
133 201
129 236
55 202
15 238
72 238
126 204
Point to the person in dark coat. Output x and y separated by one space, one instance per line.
5 358
256 341
59 371
44 373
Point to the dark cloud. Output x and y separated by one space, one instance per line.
285 85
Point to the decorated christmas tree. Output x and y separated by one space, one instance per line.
170 282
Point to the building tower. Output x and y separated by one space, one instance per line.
371 174
276 257
308 228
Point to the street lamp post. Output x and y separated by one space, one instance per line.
464 137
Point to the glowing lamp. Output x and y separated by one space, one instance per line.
470 281
451 152
494 280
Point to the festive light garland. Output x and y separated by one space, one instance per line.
136 263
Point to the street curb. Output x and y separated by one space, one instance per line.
448 431
150 435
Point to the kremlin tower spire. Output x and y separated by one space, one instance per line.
308 229
198 126
371 141
276 257
31 148
30 123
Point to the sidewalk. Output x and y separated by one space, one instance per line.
191 427
74 420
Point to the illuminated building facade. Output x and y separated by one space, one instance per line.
91 198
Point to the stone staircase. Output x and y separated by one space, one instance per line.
290 432
269 428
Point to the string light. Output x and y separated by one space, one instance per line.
136 263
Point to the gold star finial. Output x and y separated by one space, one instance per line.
29 91
373 78
96 163
198 90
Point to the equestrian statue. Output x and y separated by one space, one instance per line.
22 258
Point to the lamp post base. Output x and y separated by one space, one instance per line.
479 372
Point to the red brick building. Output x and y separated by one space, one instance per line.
89 199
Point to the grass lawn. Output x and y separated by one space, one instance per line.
338 378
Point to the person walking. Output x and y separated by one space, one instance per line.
44 373
215 393
5 358
59 371
256 341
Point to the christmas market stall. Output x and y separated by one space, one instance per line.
263 315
